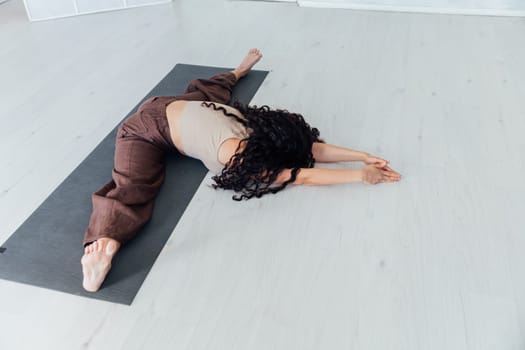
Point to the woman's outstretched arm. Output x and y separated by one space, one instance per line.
326 153
370 174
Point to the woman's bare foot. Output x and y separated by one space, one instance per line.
96 262
252 57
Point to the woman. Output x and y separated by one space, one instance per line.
252 150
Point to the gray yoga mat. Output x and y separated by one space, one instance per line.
45 250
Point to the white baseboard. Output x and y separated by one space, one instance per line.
419 9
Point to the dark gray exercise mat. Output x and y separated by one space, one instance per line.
46 249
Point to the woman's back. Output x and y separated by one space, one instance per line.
199 131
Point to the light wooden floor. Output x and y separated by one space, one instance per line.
434 262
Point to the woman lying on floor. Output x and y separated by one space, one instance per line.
252 150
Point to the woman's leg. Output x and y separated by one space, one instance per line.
219 87
216 89
125 204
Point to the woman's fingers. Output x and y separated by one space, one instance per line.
378 162
390 175
390 171
375 175
389 179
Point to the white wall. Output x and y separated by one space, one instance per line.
48 9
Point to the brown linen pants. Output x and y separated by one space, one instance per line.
123 205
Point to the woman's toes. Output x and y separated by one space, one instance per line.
111 247
255 52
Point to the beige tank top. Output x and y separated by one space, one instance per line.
203 130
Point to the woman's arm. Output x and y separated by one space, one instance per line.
370 174
325 153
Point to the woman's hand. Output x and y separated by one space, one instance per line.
372 175
375 161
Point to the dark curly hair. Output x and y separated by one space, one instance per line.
277 140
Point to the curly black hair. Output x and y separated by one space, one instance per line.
277 140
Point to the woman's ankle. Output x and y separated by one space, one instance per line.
237 74
112 243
